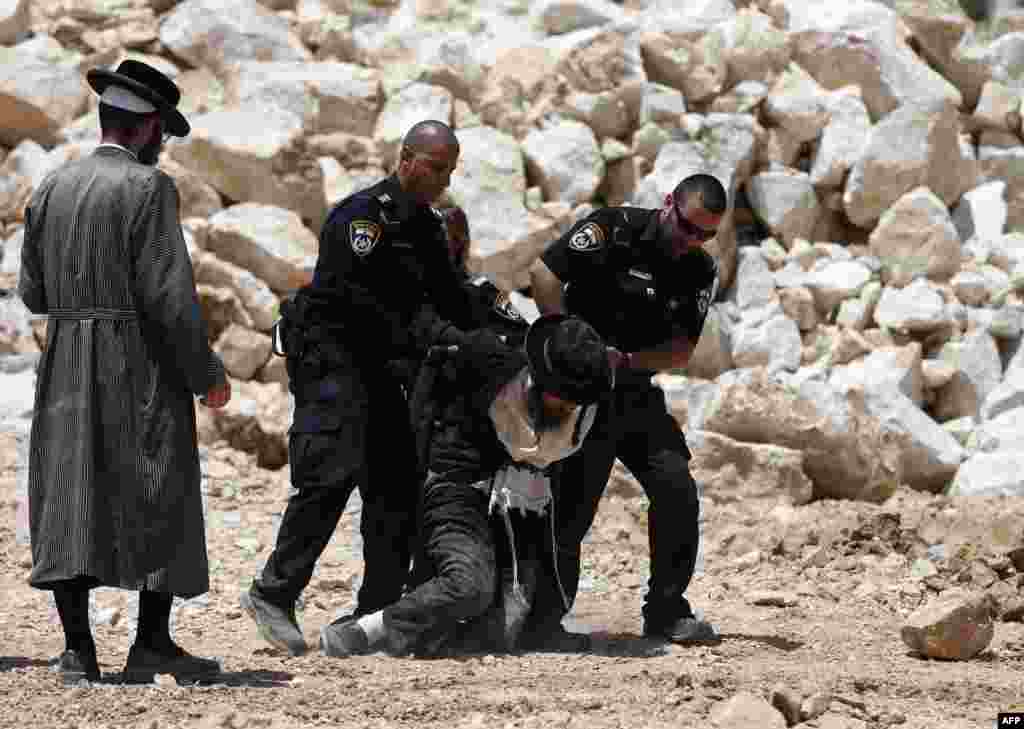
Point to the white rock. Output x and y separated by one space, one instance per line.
916 237
885 369
38 96
872 53
754 285
837 281
979 372
255 153
414 103
219 33
990 474
842 140
982 211
774 343
931 455
1004 163
566 161
798 104
1006 396
1004 432
911 147
565 16
754 49
661 105
336 97
971 288
916 308
268 241
786 201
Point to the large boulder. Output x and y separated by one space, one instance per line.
268 241
731 471
222 33
255 153
38 96
911 147
915 237
846 453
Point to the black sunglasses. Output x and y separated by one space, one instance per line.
689 228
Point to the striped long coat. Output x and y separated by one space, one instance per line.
114 481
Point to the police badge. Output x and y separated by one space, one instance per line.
364 235
503 306
588 238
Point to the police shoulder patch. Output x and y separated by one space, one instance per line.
503 305
363 234
589 237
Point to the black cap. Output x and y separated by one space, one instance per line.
568 359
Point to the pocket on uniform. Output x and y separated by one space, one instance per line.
324 449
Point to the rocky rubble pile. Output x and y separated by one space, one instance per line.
872 301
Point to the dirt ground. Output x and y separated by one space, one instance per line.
808 599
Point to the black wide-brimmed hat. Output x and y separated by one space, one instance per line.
150 84
568 358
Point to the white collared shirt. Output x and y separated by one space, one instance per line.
118 146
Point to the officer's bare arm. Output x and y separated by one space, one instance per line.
546 289
674 354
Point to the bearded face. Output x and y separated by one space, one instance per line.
149 152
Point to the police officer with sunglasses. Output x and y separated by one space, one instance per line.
642 279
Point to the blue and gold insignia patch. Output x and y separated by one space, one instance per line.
364 235
590 237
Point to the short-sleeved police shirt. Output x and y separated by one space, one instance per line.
622 279
383 257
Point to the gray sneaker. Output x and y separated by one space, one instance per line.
344 638
684 631
277 625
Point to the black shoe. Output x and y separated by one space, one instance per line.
75 666
553 639
146 662
344 638
684 631
277 625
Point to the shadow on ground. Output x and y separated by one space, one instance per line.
13 663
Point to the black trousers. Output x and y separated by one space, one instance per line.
636 427
455 574
388 481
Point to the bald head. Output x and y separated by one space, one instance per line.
428 135
427 159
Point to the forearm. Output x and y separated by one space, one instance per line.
546 289
674 354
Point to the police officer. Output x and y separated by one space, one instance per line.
383 290
492 307
642 279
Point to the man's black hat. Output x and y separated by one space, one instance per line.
568 359
148 83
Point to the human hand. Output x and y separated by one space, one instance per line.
218 396
617 358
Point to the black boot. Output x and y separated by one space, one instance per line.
154 652
78 661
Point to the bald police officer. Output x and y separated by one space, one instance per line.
383 290
643 280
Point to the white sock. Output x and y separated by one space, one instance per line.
373 626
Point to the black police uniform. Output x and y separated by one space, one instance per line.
382 288
621 278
